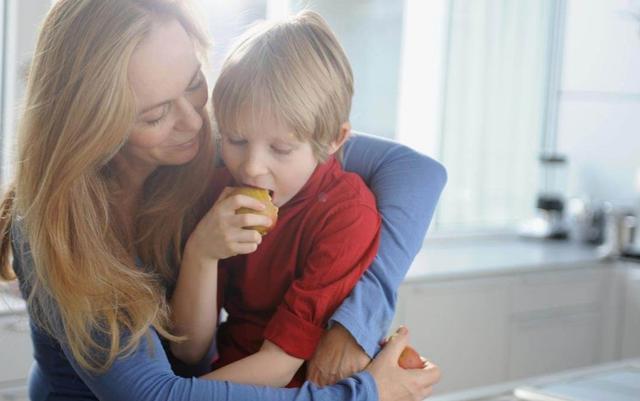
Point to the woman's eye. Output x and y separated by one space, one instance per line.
156 121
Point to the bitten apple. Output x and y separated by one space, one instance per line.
263 196
410 359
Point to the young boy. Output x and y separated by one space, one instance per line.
282 105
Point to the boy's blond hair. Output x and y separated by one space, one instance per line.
294 71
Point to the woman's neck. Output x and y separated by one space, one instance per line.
131 177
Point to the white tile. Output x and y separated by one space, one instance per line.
602 47
602 142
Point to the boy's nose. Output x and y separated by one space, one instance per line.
254 166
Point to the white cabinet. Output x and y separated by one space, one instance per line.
505 327
556 320
462 326
551 290
630 338
15 347
553 342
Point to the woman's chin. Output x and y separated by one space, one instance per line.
183 154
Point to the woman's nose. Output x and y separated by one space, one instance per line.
189 119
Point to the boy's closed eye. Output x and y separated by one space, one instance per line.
235 141
282 150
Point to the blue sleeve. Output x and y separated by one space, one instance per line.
146 375
407 186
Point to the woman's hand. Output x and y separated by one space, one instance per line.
220 233
395 383
338 356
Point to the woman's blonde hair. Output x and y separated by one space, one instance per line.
293 70
78 111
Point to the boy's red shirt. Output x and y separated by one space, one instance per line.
326 237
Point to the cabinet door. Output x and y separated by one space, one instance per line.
461 326
630 342
553 342
15 347
543 291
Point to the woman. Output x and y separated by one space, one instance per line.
115 154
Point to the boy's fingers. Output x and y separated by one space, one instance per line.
244 248
248 236
225 193
236 202
250 220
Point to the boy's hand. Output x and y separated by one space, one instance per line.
220 233
338 356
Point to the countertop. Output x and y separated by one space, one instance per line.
10 301
445 259
504 391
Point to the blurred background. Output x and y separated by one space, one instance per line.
533 106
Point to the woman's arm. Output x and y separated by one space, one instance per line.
146 375
407 186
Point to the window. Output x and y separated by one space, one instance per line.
227 20
3 47
495 110
465 81
371 33
376 67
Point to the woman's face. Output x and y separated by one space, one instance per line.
170 92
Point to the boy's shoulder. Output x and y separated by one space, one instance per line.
343 190
343 205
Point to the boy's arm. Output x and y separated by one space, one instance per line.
270 366
342 249
217 236
407 186
194 309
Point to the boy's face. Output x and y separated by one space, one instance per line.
268 155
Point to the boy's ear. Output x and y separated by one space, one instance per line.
345 131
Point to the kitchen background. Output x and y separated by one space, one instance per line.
486 87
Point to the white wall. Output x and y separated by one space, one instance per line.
599 101
24 18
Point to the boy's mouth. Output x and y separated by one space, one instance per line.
270 191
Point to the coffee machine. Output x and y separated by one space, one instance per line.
549 220
631 248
